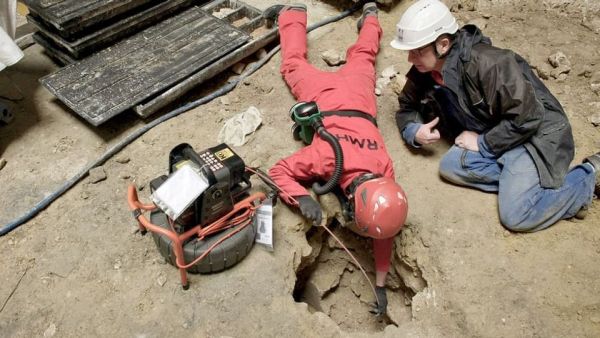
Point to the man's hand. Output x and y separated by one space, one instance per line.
380 308
467 140
310 209
427 133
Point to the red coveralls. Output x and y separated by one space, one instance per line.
352 87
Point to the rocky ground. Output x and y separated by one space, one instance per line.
79 268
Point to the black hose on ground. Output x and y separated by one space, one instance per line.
133 136
339 162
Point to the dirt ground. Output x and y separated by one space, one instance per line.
79 268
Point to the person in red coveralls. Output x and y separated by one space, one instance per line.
377 202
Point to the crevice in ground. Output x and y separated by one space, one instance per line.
328 281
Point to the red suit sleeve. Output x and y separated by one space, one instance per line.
382 249
301 167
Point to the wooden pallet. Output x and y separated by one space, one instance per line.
119 77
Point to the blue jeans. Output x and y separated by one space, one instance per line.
523 204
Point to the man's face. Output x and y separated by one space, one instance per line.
424 58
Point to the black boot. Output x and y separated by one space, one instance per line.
369 9
271 14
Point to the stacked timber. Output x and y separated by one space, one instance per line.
153 67
70 30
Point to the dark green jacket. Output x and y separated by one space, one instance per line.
502 97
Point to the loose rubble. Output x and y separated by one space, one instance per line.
333 58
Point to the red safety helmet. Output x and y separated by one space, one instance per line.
380 207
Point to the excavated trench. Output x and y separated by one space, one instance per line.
329 281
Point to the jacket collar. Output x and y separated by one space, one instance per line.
467 37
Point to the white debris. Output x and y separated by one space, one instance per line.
389 72
235 129
398 84
586 71
382 82
122 159
161 280
97 174
560 70
333 58
543 71
595 88
50 331
559 59
595 119
238 68
223 12
595 83
261 54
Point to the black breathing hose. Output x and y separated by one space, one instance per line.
339 162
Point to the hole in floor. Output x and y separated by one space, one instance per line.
330 282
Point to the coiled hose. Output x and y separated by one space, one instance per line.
339 162
229 86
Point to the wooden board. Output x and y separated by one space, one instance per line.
72 16
119 77
53 51
109 33
249 19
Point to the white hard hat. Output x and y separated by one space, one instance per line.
422 23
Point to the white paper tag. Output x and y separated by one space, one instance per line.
264 224
180 190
